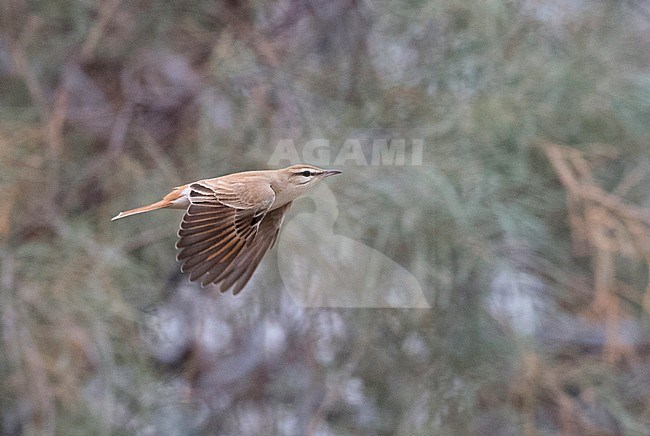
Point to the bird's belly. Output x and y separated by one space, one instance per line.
180 203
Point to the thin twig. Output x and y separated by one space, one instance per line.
591 192
632 179
21 68
106 11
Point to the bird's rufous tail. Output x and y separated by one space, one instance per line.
173 199
157 205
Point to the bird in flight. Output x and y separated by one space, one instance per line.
230 222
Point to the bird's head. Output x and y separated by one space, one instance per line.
298 179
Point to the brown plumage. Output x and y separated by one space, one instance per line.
232 221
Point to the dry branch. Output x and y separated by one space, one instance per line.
605 227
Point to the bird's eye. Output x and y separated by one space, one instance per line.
306 173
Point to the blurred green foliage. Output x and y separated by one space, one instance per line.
537 278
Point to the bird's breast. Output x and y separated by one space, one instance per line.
281 198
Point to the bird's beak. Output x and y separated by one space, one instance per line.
328 173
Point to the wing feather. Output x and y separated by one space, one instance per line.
208 250
241 269
207 235
224 235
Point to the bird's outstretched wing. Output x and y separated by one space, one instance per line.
226 231
240 270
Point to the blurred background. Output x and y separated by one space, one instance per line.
527 225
